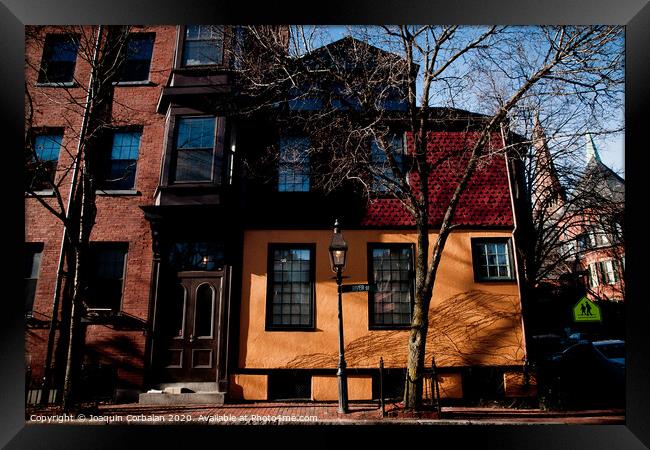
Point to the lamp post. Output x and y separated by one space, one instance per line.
338 251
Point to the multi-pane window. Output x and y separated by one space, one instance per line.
194 148
391 274
203 45
384 178
32 260
121 161
106 278
294 170
492 259
290 298
136 65
609 271
59 58
42 166
599 237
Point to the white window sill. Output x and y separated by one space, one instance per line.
45 193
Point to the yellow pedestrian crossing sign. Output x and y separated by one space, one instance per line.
586 311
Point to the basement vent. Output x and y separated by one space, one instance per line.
289 385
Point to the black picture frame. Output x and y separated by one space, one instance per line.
634 14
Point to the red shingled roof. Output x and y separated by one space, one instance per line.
485 201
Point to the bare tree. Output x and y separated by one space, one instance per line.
343 96
89 61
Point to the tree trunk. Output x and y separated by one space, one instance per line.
416 351
419 321
68 383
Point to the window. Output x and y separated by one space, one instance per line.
121 161
290 296
139 47
59 58
304 98
391 272
344 98
600 237
44 160
203 45
107 264
583 241
384 178
492 260
32 259
195 149
609 271
391 98
294 170
197 256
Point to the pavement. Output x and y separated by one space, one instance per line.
312 413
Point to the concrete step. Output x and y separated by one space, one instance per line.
183 398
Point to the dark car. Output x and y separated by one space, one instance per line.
587 374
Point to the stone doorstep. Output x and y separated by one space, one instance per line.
182 398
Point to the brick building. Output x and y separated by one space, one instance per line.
210 281
583 223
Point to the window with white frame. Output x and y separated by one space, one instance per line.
203 45
492 259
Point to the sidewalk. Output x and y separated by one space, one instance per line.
265 413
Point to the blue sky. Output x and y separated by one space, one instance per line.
611 147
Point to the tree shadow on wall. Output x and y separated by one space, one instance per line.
472 328
101 362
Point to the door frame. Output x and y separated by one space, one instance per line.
221 330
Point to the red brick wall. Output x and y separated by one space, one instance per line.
119 218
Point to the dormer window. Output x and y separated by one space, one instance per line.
384 178
203 45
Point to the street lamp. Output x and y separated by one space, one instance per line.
338 251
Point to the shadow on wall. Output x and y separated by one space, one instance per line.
472 328
117 353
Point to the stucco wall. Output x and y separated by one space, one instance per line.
470 323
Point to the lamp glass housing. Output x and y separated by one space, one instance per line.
338 250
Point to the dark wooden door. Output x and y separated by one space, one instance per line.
186 342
